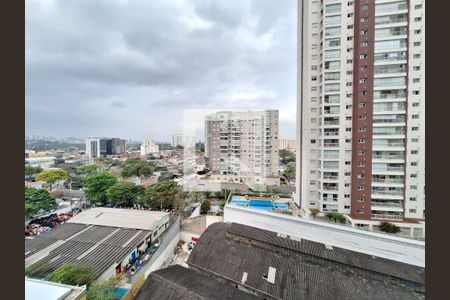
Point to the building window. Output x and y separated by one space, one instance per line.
412 198
414 163
416 56
364 44
415 104
418 6
365 31
412 211
414 151
360 199
416 44
418 19
415 92
415 116
347 206
417 31
415 129
360 211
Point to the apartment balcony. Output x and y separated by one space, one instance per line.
331 145
389 122
387 182
389 171
386 217
391 195
390 158
386 132
387 206
330 178
331 123
390 146
331 133
389 10
326 189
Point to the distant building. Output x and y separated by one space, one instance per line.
43 162
286 144
118 146
101 147
92 147
243 144
183 140
149 147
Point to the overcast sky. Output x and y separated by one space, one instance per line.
128 68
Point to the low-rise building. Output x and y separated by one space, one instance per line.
108 239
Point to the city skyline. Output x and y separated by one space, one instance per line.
120 80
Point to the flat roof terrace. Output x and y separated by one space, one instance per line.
122 218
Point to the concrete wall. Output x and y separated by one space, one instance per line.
386 246
168 243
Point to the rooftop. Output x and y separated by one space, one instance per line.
177 282
280 266
99 246
117 217
39 290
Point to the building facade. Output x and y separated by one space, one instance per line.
118 146
92 147
149 147
361 109
243 144
287 144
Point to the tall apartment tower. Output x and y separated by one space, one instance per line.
361 109
92 147
243 146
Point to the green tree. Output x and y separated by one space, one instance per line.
218 194
37 200
137 167
51 176
35 269
222 205
389 227
96 186
313 214
88 169
73 274
30 170
124 193
336 217
197 196
289 173
286 156
207 194
103 290
161 195
76 182
206 206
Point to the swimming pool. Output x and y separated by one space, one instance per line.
262 204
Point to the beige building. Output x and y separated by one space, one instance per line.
243 145
361 109
286 144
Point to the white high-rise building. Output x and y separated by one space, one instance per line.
287 144
361 109
149 147
92 147
243 146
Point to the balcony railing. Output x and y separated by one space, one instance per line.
330 177
386 71
331 122
399 132
391 21
398 120
392 9
330 188
389 145
387 217
390 96
388 193
331 144
379 180
398 58
387 204
388 156
388 169
330 133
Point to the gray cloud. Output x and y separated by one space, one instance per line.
152 59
